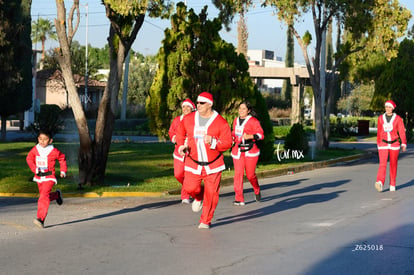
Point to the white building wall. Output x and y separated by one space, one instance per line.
266 58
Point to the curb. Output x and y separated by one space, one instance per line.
224 181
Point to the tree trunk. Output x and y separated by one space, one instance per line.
295 113
93 155
107 109
3 128
85 153
314 76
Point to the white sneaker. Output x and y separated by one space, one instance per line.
186 201
197 205
238 203
392 188
378 186
203 226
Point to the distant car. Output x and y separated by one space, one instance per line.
308 113
339 115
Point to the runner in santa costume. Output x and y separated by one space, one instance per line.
209 135
390 139
41 160
245 153
187 107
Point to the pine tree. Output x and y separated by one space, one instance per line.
15 59
195 59
289 62
242 35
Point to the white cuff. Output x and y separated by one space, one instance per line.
213 143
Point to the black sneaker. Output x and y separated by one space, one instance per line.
59 199
238 203
258 196
39 223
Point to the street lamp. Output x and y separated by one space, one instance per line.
86 59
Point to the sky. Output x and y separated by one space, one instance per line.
266 32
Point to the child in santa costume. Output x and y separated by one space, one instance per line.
187 107
208 136
245 153
41 160
390 139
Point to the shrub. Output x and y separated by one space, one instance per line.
296 139
281 131
47 119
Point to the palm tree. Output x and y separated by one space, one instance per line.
41 30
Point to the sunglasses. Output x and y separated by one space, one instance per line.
201 103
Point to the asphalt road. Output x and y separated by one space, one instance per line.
325 221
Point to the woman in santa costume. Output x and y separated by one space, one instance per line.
208 136
245 153
390 139
187 107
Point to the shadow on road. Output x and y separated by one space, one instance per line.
154 205
11 202
288 203
405 185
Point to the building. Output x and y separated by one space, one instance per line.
50 89
267 59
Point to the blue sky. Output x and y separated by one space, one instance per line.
265 31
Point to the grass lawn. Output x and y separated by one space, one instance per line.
134 167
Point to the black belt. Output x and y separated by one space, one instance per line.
390 142
244 147
43 174
205 163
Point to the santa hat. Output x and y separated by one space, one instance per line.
188 102
205 97
391 104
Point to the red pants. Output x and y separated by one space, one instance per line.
45 198
179 175
248 164
382 170
209 193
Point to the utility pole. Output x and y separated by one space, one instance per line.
86 59
323 67
125 89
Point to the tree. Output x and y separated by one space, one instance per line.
15 59
395 83
99 56
367 24
141 76
126 19
195 59
78 60
289 62
242 35
41 30
373 24
358 101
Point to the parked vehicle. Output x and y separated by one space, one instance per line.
308 113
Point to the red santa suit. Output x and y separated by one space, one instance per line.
178 159
245 160
389 135
41 161
204 161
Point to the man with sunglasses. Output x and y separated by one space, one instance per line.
209 135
